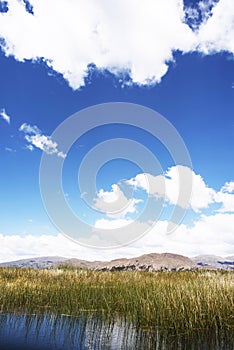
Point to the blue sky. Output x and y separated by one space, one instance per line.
190 82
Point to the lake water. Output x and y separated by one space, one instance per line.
24 332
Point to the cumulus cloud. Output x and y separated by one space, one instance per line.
212 234
217 33
228 187
199 13
168 186
201 196
42 142
153 185
163 190
35 139
214 228
114 203
129 36
5 116
226 200
29 129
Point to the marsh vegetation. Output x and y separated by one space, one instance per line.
176 301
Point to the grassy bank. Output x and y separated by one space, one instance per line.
178 301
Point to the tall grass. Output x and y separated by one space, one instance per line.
177 301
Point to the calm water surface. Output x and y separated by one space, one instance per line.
83 332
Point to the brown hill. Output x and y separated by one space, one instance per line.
147 262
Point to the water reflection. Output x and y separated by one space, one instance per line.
89 332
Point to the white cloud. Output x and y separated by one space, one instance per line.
193 15
217 33
210 235
206 7
14 247
8 149
42 142
153 185
62 155
30 147
225 197
169 186
18 247
29 129
71 35
226 200
106 224
114 203
126 36
199 13
35 139
5 116
116 206
201 196
109 196
228 187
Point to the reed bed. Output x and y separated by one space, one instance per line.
176 301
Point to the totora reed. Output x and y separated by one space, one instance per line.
174 301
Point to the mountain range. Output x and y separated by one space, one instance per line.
146 262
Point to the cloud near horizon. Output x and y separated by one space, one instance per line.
211 230
132 39
211 233
207 219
